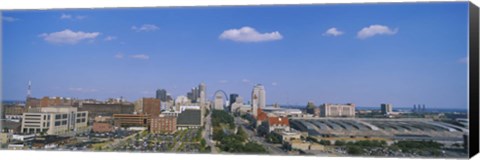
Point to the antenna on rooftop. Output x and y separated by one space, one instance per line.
29 91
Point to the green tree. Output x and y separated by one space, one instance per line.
242 133
325 142
203 143
355 150
272 138
252 147
339 143
311 108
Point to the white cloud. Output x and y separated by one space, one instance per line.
333 32
71 17
66 16
274 83
249 34
9 19
245 80
376 29
140 56
110 38
118 56
68 37
145 28
83 90
223 81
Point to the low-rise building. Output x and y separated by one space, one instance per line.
261 117
106 110
337 110
103 119
14 112
102 127
16 146
305 146
64 120
278 124
11 126
5 138
189 118
288 135
23 137
55 101
163 124
131 120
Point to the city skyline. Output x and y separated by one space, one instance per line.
392 55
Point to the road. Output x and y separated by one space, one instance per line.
270 147
207 134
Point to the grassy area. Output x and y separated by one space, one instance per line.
100 146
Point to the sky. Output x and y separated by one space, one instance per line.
367 54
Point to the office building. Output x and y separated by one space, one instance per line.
13 112
161 94
337 110
258 98
233 98
131 120
55 101
386 108
55 121
96 110
148 106
189 118
219 103
32 102
203 88
237 104
163 124
181 101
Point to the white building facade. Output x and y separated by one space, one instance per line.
258 98
337 110
55 121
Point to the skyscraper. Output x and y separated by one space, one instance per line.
258 98
232 98
203 88
386 108
161 95
218 102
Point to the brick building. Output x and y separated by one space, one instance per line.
164 124
102 127
149 106
106 109
278 124
131 120
55 101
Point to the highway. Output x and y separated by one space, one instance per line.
207 134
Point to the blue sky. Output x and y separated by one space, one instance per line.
404 54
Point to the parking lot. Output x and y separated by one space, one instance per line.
182 141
